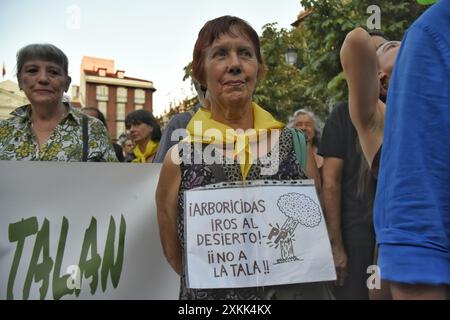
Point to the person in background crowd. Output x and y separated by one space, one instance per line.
347 196
127 147
96 113
49 129
378 37
308 122
368 71
145 132
412 206
179 121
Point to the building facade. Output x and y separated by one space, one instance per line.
11 97
114 94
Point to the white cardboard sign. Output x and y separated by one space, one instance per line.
265 233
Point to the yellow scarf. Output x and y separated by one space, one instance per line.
218 133
150 150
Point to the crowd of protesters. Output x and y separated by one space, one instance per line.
380 161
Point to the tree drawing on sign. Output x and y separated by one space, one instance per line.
299 209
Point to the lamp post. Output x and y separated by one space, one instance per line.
291 56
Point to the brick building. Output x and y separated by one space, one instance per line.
112 92
11 97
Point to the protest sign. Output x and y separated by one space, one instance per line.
263 233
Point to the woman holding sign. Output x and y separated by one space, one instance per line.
225 142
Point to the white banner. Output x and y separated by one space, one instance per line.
266 233
81 231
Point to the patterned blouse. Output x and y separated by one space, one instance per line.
200 175
64 144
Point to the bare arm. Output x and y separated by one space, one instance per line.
331 200
359 61
166 204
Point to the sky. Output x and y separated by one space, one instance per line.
149 39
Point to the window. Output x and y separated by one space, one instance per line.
102 106
120 112
138 106
139 96
120 128
122 95
102 93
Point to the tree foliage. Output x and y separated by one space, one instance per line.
323 33
317 82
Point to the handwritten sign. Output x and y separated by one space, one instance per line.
264 233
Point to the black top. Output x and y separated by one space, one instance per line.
376 163
339 140
119 152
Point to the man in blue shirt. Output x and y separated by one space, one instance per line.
412 206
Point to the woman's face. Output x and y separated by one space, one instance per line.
387 54
140 132
231 70
306 124
43 82
128 147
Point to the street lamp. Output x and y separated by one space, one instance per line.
291 56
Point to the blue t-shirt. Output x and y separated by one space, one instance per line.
412 206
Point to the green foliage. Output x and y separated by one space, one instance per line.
317 81
324 31
278 90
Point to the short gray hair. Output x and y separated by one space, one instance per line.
316 120
44 51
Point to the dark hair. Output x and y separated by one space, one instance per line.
378 33
44 51
211 31
144 116
100 116
366 185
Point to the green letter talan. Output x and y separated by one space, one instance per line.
40 271
89 268
108 265
60 283
17 232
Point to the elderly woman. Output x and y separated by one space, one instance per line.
49 129
227 62
145 133
307 122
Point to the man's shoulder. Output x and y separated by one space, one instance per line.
339 115
180 120
340 109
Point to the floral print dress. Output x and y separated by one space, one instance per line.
64 144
